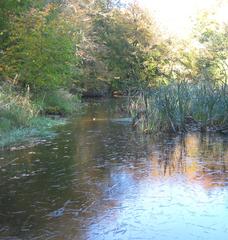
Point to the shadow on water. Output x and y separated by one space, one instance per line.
99 179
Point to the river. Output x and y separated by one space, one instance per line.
100 179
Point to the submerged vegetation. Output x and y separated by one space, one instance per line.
54 52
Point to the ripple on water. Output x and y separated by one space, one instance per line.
121 185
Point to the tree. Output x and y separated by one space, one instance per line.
125 36
40 50
213 54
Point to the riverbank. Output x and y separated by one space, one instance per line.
182 107
42 128
24 116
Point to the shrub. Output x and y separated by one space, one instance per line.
59 102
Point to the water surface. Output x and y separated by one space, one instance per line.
99 179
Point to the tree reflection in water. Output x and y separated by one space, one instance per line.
114 183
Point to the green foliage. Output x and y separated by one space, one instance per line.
177 106
213 60
212 38
9 7
20 119
15 110
40 52
124 38
46 45
57 102
51 45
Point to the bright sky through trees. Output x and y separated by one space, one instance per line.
176 17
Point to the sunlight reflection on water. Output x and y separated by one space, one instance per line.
102 180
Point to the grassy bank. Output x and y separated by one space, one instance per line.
181 107
23 116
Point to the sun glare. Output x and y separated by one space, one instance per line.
176 17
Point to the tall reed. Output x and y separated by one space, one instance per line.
181 105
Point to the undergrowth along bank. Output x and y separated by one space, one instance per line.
23 115
182 106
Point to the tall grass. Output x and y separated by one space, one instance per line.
23 115
59 102
180 106
16 110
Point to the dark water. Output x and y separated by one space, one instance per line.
99 179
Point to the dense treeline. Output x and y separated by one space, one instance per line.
53 51
48 44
